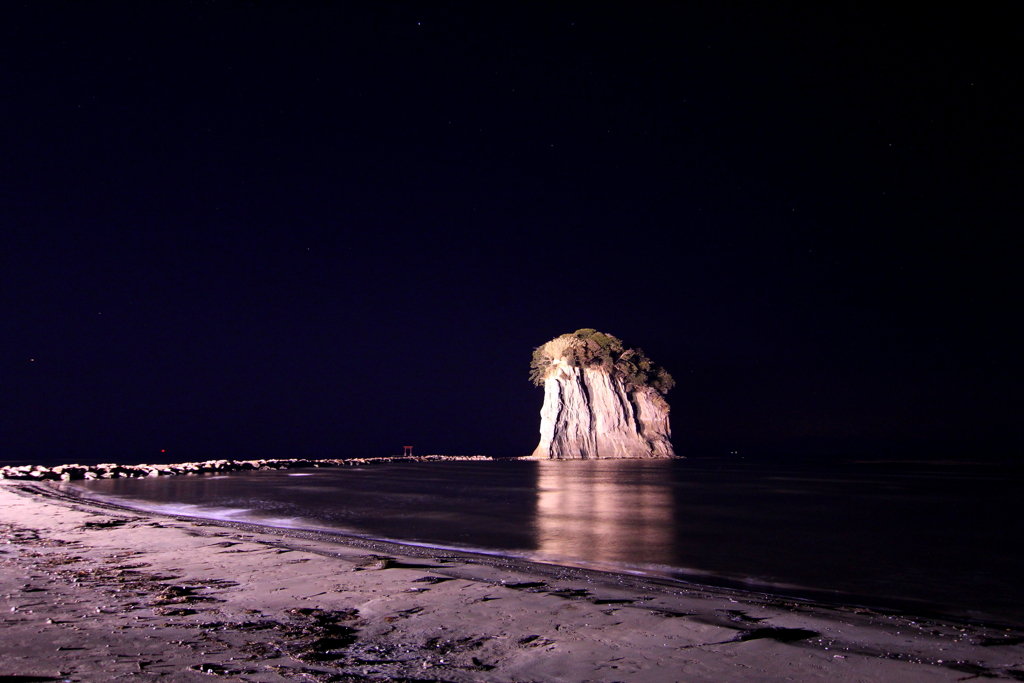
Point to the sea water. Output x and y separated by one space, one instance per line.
918 537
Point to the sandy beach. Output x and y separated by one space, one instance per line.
92 593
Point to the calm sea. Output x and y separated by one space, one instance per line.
918 537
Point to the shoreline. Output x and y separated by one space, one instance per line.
670 577
427 614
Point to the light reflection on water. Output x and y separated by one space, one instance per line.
941 538
605 512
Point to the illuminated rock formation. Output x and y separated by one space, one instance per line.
601 400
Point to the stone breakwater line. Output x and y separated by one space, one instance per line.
115 471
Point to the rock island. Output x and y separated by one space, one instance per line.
601 400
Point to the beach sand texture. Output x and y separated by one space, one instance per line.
95 593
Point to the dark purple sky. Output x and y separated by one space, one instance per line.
234 229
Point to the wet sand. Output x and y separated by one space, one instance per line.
93 592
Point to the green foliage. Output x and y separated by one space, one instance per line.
589 348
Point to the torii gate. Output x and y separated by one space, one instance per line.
408 450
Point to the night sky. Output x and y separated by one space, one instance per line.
282 229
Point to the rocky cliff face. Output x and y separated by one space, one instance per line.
592 410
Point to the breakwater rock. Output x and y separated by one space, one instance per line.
115 471
601 400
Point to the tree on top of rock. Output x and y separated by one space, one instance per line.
588 348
